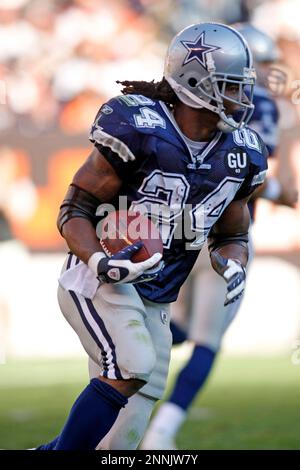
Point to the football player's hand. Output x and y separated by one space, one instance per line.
120 269
151 273
234 274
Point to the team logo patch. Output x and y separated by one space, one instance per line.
114 274
164 317
105 109
198 50
237 161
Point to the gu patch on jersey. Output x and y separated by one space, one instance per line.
237 162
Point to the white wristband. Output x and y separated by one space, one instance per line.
94 261
273 189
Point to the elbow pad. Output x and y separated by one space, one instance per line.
77 203
217 240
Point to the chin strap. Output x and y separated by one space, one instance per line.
227 127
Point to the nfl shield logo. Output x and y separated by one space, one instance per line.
114 273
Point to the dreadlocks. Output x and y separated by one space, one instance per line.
154 90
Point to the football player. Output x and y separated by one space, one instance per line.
207 320
173 148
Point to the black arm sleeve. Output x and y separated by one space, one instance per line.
217 240
77 203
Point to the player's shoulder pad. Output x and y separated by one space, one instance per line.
140 112
121 123
249 140
246 155
112 110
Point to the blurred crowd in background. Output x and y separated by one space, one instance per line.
60 58
59 61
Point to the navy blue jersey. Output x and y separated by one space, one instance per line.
265 118
264 121
185 193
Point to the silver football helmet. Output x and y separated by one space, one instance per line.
262 46
203 61
264 51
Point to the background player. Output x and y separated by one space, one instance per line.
199 314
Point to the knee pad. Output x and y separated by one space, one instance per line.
139 367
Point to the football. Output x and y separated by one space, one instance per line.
120 229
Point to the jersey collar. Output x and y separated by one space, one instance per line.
198 159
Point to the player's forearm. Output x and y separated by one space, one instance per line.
231 251
81 238
229 237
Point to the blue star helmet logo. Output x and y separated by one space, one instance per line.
198 49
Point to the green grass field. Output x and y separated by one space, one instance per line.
248 403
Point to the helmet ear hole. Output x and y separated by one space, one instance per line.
192 82
207 85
